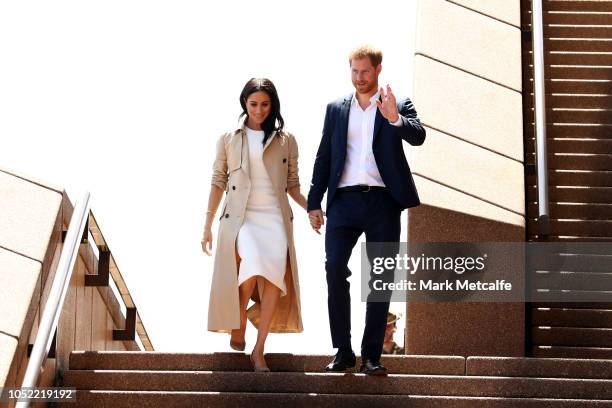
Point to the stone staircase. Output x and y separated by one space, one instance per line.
578 81
578 38
155 379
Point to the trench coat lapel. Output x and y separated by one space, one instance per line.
242 147
244 151
272 136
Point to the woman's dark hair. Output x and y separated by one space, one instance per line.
270 124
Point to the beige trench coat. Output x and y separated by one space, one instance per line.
231 173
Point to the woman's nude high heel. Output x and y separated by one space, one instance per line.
258 369
235 345
238 346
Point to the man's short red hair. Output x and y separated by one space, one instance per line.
367 51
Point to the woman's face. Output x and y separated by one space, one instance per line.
259 107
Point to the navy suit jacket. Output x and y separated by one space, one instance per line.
386 146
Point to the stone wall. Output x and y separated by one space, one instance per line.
469 173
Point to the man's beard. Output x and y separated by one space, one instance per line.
365 88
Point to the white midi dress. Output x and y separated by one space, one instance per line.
262 240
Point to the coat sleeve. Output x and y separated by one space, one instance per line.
411 129
219 175
293 178
321 170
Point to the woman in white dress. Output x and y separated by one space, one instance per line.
255 257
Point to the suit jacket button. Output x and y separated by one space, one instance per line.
226 215
284 160
285 189
233 187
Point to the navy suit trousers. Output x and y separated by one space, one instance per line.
376 213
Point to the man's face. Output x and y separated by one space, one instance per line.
364 75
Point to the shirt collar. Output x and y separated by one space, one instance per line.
373 98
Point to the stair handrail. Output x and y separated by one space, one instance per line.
55 301
537 24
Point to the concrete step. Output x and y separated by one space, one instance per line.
580 131
129 399
573 86
578 281
577 58
572 336
575 145
571 115
575 30
577 297
575 211
591 178
577 5
578 44
581 17
574 194
115 360
582 100
565 114
324 383
593 228
571 305
532 236
558 258
408 364
573 58
571 317
538 367
571 5
572 44
555 72
572 352
577 161
577 72
587 178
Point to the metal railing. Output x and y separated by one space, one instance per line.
57 294
539 94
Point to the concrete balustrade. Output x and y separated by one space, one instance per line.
34 213
469 172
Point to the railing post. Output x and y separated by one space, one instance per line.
53 307
539 93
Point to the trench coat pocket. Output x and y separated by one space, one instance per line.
223 211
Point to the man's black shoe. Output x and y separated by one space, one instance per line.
342 362
371 367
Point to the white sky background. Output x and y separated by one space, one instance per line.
125 99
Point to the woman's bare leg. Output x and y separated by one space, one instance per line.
269 302
245 290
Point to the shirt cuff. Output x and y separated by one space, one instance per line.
398 122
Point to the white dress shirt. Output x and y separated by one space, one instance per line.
360 166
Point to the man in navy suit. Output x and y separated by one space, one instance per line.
361 164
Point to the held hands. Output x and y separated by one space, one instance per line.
388 106
207 241
316 219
